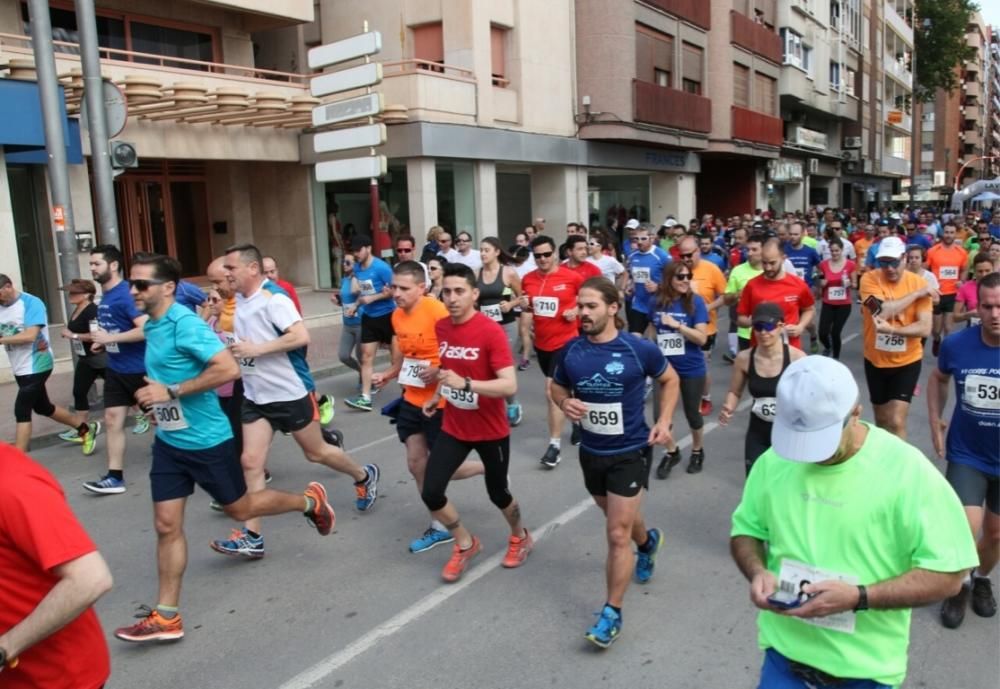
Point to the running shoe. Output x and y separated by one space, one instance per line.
141 424
705 408
606 629
953 609
523 366
459 560
814 347
576 435
646 562
432 537
936 349
152 627
518 550
216 505
321 513
333 437
326 410
106 485
729 357
697 459
367 490
550 460
240 544
360 403
669 461
90 438
514 414
983 602
71 435
827 352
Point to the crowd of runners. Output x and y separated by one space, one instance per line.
616 321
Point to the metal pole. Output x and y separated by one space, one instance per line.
97 122
55 143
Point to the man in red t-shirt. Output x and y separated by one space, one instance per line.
576 247
549 295
271 273
475 378
43 545
790 292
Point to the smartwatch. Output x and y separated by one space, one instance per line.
862 599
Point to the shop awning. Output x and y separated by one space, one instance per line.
22 133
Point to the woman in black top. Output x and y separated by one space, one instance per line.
89 365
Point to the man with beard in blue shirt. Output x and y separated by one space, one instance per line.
806 260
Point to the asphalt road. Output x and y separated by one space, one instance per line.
356 609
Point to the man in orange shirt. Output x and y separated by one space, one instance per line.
710 284
947 261
895 316
415 362
862 244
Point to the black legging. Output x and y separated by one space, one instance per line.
831 323
232 406
448 454
83 379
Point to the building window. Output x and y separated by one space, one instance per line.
498 55
692 64
765 94
654 56
795 52
428 46
835 76
850 82
741 86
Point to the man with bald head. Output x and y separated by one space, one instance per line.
776 285
707 281
231 405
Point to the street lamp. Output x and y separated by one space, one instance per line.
958 174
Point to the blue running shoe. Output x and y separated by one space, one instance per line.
240 544
606 629
646 562
367 490
514 414
107 485
431 538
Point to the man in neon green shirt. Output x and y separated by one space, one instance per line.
738 279
859 528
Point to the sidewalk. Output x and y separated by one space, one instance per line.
322 318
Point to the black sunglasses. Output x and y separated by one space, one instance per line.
543 254
143 285
684 276
766 326
401 250
889 262
689 254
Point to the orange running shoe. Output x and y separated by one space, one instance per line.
459 560
321 514
518 550
152 627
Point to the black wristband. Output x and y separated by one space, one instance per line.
862 599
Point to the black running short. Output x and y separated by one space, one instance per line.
637 320
945 305
709 343
623 474
376 329
32 397
286 417
974 487
411 420
217 470
888 384
546 361
120 388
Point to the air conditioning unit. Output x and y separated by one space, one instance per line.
850 166
852 142
813 165
851 155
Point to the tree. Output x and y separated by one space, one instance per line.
941 50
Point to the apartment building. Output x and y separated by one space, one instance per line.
991 131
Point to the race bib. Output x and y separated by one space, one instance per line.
78 348
603 419
112 347
671 344
493 311
836 293
367 287
409 374
887 342
229 338
461 399
640 275
248 365
982 392
764 408
949 273
170 416
545 307
794 575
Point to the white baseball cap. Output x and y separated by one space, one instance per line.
890 247
669 222
632 224
816 394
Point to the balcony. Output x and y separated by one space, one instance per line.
972 90
755 37
895 166
897 70
655 104
431 91
751 125
898 24
291 11
698 12
973 138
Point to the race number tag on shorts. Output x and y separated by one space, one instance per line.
603 419
764 408
409 374
794 575
461 399
170 416
949 272
545 307
78 348
836 293
890 342
493 311
248 365
367 287
640 275
982 392
671 344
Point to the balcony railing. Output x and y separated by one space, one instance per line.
755 37
897 69
669 107
751 125
698 12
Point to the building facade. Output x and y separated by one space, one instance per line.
991 131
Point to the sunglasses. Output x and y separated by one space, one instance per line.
214 300
463 240
765 326
689 254
433 267
143 285
683 276
401 250
543 254
889 262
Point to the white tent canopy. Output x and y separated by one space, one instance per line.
959 198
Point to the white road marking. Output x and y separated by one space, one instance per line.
373 443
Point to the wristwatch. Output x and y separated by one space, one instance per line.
862 599
174 390
468 384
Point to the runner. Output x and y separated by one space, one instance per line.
759 369
972 449
24 334
774 284
349 349
576 259
947 261
610 267
645 270
499 293
90 365
838 276
271 272
372 277
270 340
415 363
119 333
185 362
806 260
550 294
967 301
710 283
738 279
681 320
605 371
897 314
476 374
